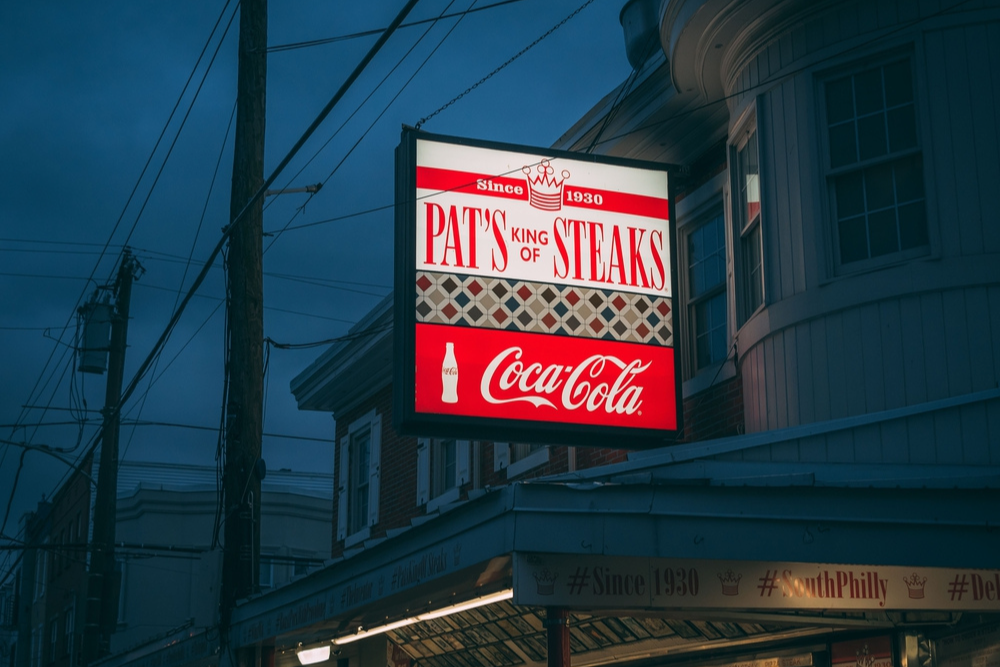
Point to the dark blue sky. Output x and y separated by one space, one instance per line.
87 89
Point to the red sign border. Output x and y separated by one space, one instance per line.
406 420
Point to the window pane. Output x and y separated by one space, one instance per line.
868 91
839 100
902 128
752 261
843 149
853 240
878 187
710 323
850 195
912 225
898 83
909 179
706 255
871 136
882 233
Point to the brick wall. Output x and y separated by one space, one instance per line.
715 412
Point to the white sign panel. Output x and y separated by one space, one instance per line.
661 583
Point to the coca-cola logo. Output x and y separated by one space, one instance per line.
589 385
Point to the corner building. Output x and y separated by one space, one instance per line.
834 500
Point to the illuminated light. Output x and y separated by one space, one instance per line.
471 604
361 634
499 596
309 656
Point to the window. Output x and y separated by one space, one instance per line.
41 571
69 627
517 458
265 579
875 167
442 469
53 639
358 479
748 246
706 273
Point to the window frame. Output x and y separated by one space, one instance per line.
742 229
505 458
373 422
432 491
829 174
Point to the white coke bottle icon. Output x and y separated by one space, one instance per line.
449 375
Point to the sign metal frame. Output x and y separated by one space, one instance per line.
406 418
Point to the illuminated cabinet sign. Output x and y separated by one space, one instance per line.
534 295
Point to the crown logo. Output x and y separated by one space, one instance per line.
915 585
545 581
730 582
544 189
864 657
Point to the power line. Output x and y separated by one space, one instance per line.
382 113
508 62
367 33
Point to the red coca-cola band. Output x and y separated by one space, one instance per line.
541 377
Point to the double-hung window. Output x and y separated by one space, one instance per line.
358 479
442 469
748 249
875 166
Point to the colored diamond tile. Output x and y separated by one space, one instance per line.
462 299
620 328
573 323
524 292
450 284
596 300
525 318
630 316
642 330
474 313
654 319
618 302
487 301
449 310
424 309
549 320
437 297
584 312
663 308
423 282
536 306
560 308
596 325
642 305
550 294
572 297
474 287
608 314
512 304
499 316
500 289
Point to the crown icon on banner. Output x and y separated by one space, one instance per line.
544 189
864 657
915 585
730 582
545 581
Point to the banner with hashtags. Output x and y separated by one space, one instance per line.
663 583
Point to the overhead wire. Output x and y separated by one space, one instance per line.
125 208
368 33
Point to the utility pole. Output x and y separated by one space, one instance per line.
102 580
244 409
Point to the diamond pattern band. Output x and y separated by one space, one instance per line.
516 305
